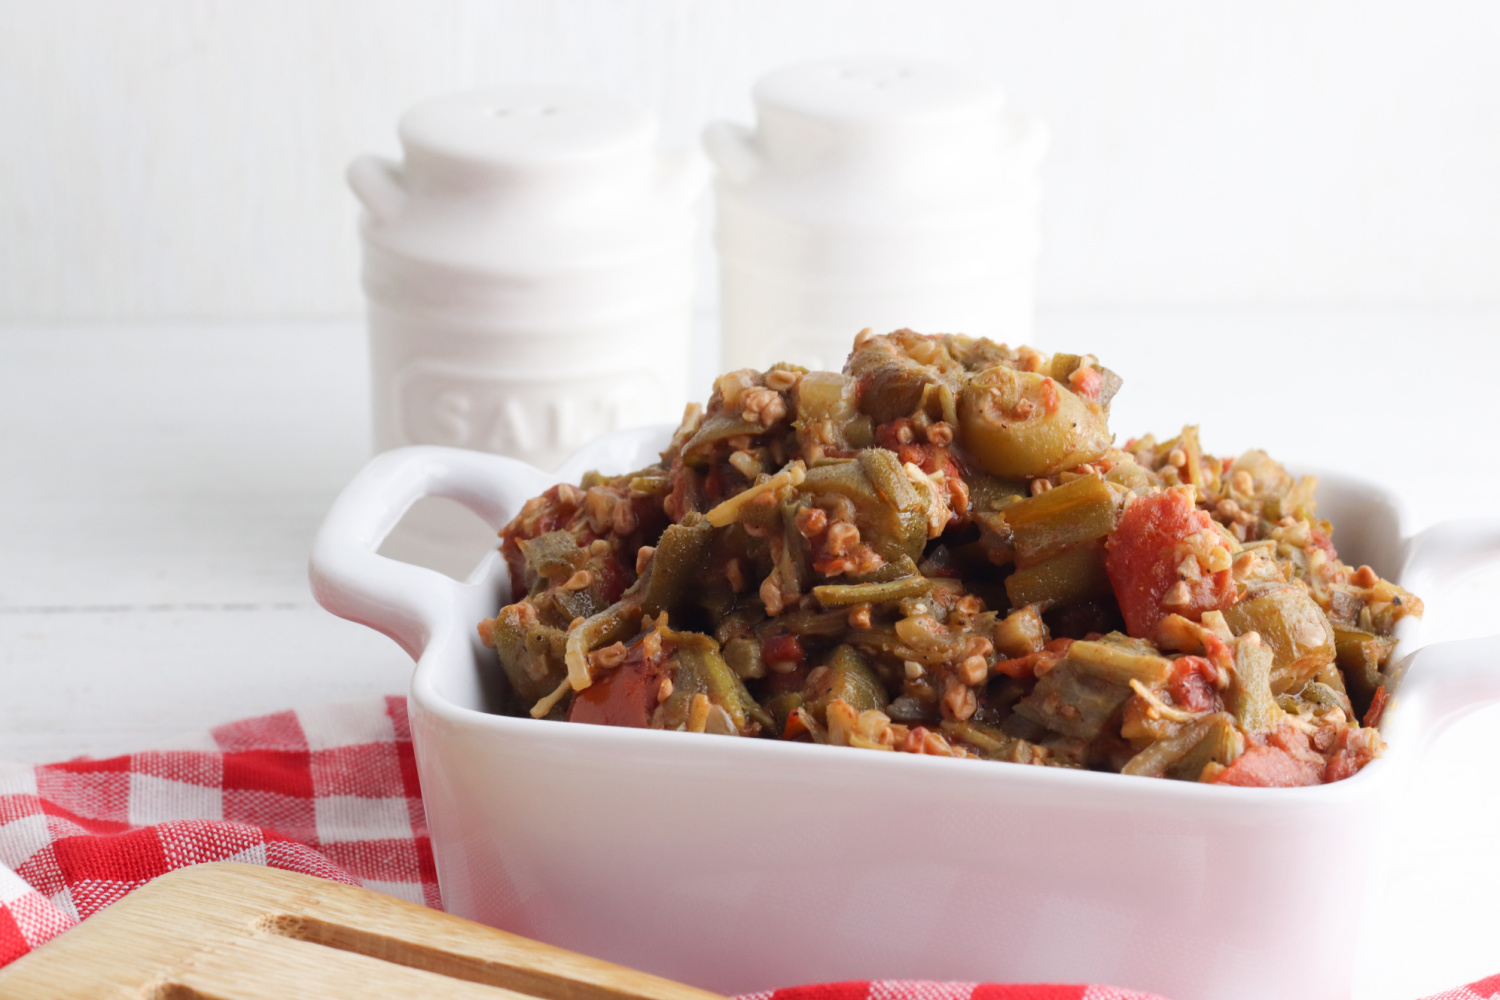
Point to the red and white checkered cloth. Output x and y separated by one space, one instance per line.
329 791
1485 989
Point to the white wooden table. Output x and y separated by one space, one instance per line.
159 489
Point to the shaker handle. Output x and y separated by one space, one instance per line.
732 148
377 183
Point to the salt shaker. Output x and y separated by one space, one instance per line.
880 193
528 270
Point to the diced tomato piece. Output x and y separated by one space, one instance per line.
888 435
1192 683
1086 382
1376 710
1024 667
919 455
1355 749
1269 767
624 696
1050 399
782 649
611 579
1142 555
1322 541
795 727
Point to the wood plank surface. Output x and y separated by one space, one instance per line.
229 931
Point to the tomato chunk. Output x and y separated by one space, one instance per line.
625 696
1355 748
1270 767
1192 683
1143 558
782 649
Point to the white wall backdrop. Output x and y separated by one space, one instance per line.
183 158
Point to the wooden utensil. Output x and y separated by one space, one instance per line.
229 931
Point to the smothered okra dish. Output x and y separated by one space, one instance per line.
941 550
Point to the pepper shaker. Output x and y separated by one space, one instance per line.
880 193
528 270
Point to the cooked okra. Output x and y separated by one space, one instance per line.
942 550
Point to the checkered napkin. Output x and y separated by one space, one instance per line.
328 791
1485 989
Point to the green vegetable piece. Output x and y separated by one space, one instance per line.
1328 697
655 485
615 623
1360 656
1070 701
939 403
1021 632
577 603
896 570
847 675
992 742
1023 424
1133 478
896 491
555 555
891 516
715 429
1292 625
794 560
1249 697
843 595
531 655
992 493
827 404
1054 521
743 654
892 391
805 623
1187 752
1072 577
781 706
697 668
1120 659
677 567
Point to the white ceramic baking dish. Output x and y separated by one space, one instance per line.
740 865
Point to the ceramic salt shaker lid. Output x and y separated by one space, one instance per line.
482 168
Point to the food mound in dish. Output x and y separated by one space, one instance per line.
941 551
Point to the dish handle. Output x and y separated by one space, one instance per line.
408 603
1439 684
1432 558
1451 679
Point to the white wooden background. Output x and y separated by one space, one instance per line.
184 158
1268 188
